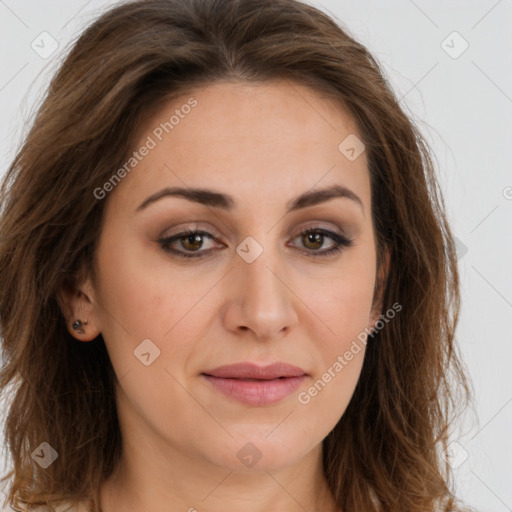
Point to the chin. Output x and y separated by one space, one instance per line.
255 454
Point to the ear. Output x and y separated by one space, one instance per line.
77 303
380 286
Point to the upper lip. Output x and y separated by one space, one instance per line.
254 371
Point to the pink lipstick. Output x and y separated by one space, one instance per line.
256 385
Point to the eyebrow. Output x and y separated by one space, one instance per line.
215 199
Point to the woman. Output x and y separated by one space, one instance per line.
227 280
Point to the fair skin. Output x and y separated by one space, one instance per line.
263 145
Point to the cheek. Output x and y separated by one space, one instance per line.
321 404
142 298
342 298
343 309
341 349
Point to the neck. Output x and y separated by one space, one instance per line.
157 484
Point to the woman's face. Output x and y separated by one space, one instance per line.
249 287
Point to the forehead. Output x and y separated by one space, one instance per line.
263 140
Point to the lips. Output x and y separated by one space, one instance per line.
256 385
253 371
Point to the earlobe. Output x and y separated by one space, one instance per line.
78 326
79 311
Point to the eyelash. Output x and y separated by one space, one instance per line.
340 240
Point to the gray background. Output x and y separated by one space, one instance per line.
462 101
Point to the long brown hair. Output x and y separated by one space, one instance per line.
386 451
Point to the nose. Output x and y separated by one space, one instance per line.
260 299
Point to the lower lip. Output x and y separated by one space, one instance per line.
256 392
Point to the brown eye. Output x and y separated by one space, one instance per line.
313 240
187 244
191 242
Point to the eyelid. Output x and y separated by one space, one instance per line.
191 226
330 226
200 226
340 243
